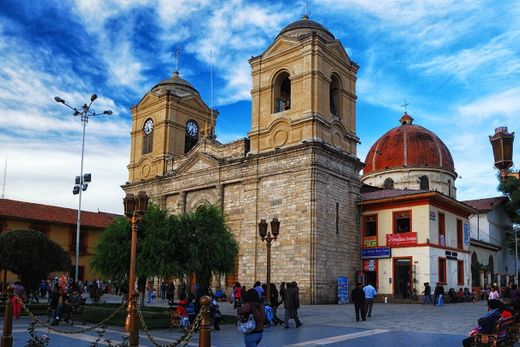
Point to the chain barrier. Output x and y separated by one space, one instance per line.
184 339
69 332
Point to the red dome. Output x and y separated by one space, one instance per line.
408 146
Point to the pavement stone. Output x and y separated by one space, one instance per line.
324 325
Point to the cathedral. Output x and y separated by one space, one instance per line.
298 162
398 226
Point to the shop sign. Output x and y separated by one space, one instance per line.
401 239
375 252
369 265
370 241
466 233
433 215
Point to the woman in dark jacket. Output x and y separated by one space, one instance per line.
252 304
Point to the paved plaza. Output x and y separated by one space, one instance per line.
324 325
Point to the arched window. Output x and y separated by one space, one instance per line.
192 135
491 267
148 136
424 183
475 270
282 93
334 96
389 183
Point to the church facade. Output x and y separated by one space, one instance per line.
298 162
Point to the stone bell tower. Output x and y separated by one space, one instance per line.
167 122
304 89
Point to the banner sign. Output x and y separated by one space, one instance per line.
466 233
370 241
401 239
376 252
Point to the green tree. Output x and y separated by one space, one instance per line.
199 242
511 189
32 256
209 245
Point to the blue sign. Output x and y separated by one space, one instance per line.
376 252
466 233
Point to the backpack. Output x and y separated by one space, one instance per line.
269 315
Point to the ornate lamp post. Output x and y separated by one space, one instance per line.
81 180
269 237
135 208
502 143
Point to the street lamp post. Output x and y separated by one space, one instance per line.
502 143
135 208
268 237
82 180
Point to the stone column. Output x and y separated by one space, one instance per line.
507 279
182 202
488 278
220 196
481 274
499 277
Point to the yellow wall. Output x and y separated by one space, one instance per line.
60 234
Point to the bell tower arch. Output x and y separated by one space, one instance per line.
304 89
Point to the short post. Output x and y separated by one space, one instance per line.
205 323
7 336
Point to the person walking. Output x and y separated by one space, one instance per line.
358 298
438 293
292 304
237 295
252 305
370 295
427 297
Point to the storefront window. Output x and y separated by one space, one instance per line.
402 222
460 272
442 270
442 229
370 231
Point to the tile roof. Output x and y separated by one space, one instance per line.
53 214
389 193
487 204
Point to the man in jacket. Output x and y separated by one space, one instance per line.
487 323
358 298
292 304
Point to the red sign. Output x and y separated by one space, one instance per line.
401 239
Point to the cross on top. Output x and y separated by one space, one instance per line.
306 11
405 106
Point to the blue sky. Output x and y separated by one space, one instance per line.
456 62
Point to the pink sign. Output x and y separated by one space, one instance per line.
401 239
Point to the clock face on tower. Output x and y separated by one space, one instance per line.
148 126
192 129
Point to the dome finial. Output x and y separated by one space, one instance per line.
306 11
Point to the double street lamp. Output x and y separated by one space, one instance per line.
81 182
502 143
268 237
135 208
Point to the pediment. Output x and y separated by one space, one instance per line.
338 49
281 44
196 102
148 99
198 162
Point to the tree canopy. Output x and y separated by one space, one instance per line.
511 189
198 243
32 256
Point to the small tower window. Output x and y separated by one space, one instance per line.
282 93
424 183
192 135
334 96
389 183
148 136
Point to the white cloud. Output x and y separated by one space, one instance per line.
502 107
